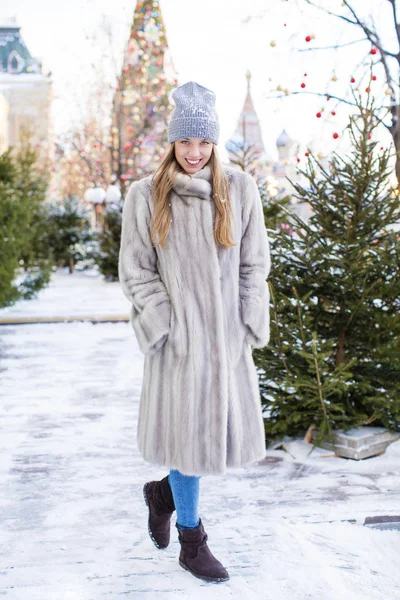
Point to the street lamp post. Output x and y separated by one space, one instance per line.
99 197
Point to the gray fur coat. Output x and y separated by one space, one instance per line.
197 311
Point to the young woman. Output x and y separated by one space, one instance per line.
193 261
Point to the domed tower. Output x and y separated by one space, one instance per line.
25 92
246 147
286 165
247 136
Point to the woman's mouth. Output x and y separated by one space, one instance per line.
193 163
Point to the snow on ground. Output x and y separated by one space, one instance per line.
73 295
73 523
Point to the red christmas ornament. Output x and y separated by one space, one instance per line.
370 136
303 85
298 160
123 178
328 98
373 51
335 136
318 115
352 80
127 147
308 38
367 89
373 77
305 74
381 148
333 113
305 153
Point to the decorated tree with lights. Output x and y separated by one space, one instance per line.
140 115
123 133
333 360
141 103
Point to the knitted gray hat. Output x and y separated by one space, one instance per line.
194 114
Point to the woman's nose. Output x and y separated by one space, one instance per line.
194 151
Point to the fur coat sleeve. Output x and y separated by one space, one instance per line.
139 276
255 264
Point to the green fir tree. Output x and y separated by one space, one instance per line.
334 357
10 233
25 262
70 238
31 184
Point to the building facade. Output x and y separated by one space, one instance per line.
25 94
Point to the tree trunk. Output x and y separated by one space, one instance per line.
340 355
71 265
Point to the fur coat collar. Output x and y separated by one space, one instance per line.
197 185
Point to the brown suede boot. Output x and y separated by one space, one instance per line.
196 556
160 502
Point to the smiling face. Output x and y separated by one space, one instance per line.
193 153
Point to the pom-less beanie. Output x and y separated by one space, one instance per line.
194 114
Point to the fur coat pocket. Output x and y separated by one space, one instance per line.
255 317
152 326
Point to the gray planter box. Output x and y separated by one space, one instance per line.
359 443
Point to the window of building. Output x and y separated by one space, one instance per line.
15 62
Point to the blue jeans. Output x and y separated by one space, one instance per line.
185 491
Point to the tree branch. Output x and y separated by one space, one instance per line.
396 24
323 94
335 47
371 35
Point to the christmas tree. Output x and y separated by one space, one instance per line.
141 104
334 358
141 111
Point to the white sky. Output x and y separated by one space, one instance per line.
211 43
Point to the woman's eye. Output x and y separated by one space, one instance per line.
206 143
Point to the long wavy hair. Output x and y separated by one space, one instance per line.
163 181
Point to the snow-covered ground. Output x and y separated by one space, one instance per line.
73 523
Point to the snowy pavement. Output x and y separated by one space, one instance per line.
73 523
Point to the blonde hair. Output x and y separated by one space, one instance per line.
163 181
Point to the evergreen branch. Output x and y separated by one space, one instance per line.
371 419
362 299
281 352
299 315
396 317
319 386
